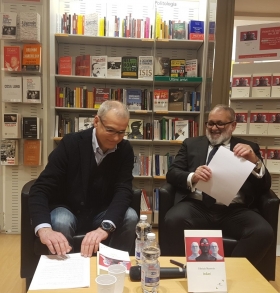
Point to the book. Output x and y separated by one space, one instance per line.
8 24
181 129
114 67
65 65
275 89
134 99
177 67
9 152
147 202
12 58
129 67
91 24
32 152
11 125
136 166
135 129
273 158
162 66
145 67
241 85
191 68
83 65
241 118
31 127
196 30
176 99
99 66
28 26
258 122
179 30
31 57
273 122
31 89
261 86
160 101
101 95
85 122
11 89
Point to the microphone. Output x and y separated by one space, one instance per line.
165 273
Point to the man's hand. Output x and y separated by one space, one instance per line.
201 173
91 241
55 241
246 152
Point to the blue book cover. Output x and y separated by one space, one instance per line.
134 99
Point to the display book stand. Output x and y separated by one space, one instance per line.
74 45
263 133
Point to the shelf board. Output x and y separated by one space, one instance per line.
159 177
73 109
182 44
258 135
167 142
143 177
140 141
252 99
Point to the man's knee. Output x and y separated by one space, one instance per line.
131 217
61 218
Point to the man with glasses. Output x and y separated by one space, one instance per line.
204 246
86 187
192 209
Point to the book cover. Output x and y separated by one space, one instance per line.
191 68
177 67
11 125
31 127
129 67
99 66
32 152
31 89
11 89
8 22
12 58
31 57
261 87
28 28
181 129
179 30
91 24
205 261
101 95
135 129
241 85
241 118
273 122
136 166
273 158
196 30
275 89
85 122
258 122
9 152
114 65
161 99
145 67
162 66
134 99
176 99
65 65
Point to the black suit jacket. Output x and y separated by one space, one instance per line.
193 153
66 180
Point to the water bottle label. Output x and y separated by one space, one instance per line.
150 276
138 250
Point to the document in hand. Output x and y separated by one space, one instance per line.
229 172
107 256
205 261
58 272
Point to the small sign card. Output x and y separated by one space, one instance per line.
205 261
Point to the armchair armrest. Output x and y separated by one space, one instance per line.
136 199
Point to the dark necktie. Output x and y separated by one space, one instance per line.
206 198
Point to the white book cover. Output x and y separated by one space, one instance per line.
181 129
91 24
261 85
275 89
274 122
161 97
28 26
258 122
263 152
31 89
205 261
99 66
9 152
12 89
241 86
273 159
114 67
11 125
8 22
145 67
85 122
241 118
191 68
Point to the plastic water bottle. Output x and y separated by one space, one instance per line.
142 229
150 269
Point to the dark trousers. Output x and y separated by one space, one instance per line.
254 233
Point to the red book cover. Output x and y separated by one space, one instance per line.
12 58
65 65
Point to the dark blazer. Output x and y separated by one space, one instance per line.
193 153
66 180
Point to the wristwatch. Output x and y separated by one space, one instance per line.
107 226
258 165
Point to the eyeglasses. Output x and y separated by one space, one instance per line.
219 125
204 244
112 131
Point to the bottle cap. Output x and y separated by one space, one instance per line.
143 217
151 236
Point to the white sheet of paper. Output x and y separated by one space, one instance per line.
53 272
229 172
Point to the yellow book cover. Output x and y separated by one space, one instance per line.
80 25
158 25
101 27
